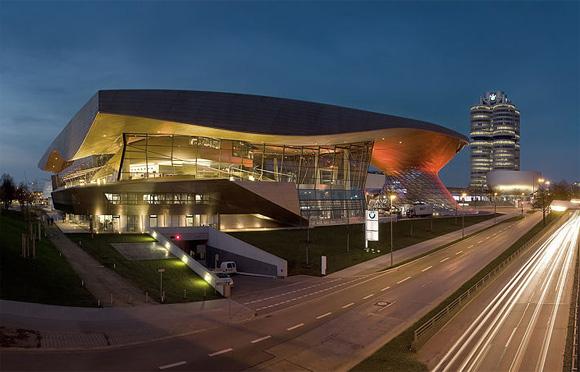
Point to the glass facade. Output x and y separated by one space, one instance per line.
330 179
414 185
495 138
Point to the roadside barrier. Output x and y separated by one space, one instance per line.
426 330
574 364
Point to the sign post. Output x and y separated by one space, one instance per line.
371 227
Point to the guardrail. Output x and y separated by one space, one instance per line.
429 328
574 364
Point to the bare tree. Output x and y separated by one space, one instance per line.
7 190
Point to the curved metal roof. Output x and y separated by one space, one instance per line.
258 114
244 116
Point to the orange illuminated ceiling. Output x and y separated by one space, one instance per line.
394 148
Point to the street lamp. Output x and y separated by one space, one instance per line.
463 216
161 271
391 198
494 208
522 202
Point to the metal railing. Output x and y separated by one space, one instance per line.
574 364
430 327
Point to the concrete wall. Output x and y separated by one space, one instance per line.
198 268
248 258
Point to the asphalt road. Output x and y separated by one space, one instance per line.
518 323
320 328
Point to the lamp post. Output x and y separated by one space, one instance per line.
161 271
391 198
494 208
463 216
522 202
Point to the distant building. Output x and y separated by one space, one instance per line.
495 137
505 182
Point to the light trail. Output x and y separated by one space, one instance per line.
543 277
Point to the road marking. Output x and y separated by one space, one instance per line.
368 296
260 339
487 238
173 365
445 259
460 252
220 352
471 246
348 305
479 242
385 307
295 326
510 339
404 280
427 268
323 315
384 289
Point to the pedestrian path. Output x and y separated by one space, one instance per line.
72 328
106 285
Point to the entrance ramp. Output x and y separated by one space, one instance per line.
221 247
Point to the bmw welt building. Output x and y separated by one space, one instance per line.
134 159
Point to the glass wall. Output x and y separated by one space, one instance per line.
330 179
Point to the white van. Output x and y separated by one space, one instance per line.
228 267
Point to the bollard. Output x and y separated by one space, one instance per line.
114 265
82 283
146 297
99 302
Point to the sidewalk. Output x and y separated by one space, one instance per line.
76 328
102 282
412 251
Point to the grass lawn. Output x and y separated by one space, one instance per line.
396 355
143 273
47 279
331 242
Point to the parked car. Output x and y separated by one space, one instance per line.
228 267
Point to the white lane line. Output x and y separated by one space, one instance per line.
220 352
295 326
389 305
460 252
260 339
510 339
384 289
323 315
479 242
487 238
445 259
427 268
404 280
368 296
173 365
471 246
348 305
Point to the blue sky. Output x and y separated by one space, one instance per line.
425 60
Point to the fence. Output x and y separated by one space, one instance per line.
430 327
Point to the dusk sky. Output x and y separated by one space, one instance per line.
424 60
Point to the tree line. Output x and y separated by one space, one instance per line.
9 192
